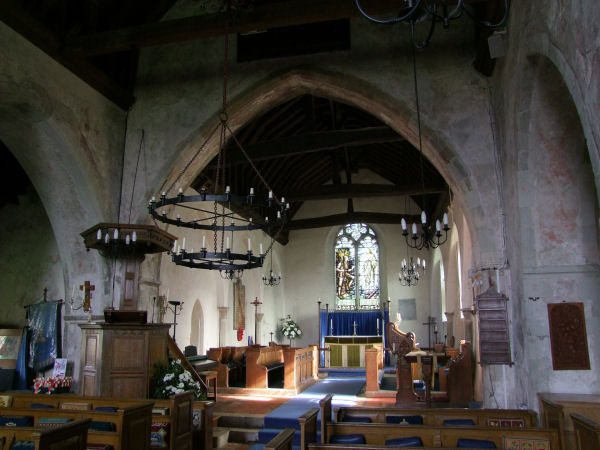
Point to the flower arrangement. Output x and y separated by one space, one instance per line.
52 385
290 329
174 379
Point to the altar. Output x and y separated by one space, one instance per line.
349 351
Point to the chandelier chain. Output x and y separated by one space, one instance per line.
135 175
414 61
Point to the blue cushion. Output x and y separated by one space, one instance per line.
474 443
98 425
460 422
106 409
406 420
356 419
23 445
347 439
41 406
414 441
16 421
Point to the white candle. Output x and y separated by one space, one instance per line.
174 246
438 225
227 189
99 234
414 228
423 264
227 243
180 191
251 191
134 236
203 241
403 222
106 238
183 244
116 234
127 240
249 245
270 194
260 248
423 217
445 218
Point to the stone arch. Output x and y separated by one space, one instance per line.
197 327
358 93
555 170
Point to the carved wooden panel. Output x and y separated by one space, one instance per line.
568 336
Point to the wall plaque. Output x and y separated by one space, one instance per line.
568 337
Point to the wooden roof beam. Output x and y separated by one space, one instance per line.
312 142
337 191
353 217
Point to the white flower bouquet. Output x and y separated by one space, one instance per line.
290 329
174 379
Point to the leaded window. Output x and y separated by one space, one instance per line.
357 267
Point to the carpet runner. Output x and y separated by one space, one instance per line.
344 390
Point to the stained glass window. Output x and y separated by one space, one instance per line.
356 267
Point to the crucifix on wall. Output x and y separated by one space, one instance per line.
87 289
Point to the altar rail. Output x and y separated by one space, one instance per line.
301 367
68 436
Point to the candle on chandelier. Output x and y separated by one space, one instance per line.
403 222
270 195
445 219
127 240
227 243
260 248
134 236
249 246
183 244
203 241
174 246
414 229
106 238
116 234
99 234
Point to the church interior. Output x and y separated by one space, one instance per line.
367 209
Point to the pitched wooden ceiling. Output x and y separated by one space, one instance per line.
308 148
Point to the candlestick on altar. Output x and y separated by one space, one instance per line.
271 336
378 326
354 327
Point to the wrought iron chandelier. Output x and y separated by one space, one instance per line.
410 273
433 11
216 209
272 280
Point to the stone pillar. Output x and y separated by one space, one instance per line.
469 313
449 325
222 323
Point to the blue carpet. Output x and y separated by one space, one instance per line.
344 390
341 372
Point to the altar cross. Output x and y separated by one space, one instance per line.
87 289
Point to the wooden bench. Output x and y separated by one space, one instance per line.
230 365
182 410
556 410
68 436
587 432
439 436
499 418
301 367
125 427
263 366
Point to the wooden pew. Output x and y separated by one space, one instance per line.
440 436
459 379
308 427
260 362
131 423
230 364
283 441
556 410
587 432
300 367
68 436
182 408
436 416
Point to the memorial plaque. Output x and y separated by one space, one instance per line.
568 336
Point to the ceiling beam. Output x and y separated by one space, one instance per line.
35 32
337 191
354 217
312 142
260 17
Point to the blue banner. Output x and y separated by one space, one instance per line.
43 322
